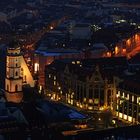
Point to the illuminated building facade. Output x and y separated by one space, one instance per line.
85 91
128 101
17 73
88 87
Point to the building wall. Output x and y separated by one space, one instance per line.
27 76
128 106
46 60
87 94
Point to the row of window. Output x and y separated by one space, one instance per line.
16 88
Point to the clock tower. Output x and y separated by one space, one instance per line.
14 73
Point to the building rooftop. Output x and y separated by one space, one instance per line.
14 44
131 84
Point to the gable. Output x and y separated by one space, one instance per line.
96 77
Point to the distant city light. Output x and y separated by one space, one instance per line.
51 27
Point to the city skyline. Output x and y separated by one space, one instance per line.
69 69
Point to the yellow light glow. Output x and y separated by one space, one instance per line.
116 50
72 93
101 108
124 50
77 104
113 121
117 95
73 62
85 99
129 118
136 37
81 126
138 100
125 117
81 106
123 95
36 67
90 101
90 107
108 54
132 98
96 101
127 96
120 115
78 62
54 83
128 42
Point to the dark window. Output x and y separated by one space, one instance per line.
102 97
7 87
16 73
16 87
90 93
96 93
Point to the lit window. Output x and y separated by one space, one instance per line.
78 62
120 115
123 95
129 118
118 95
73 62
72 93
117 113
49 75
132 98
84 99
90 101
127 96
54 82
36 67
138 100
125 117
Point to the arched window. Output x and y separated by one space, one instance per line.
7 87
16 73
16 87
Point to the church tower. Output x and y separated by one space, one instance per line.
14 73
